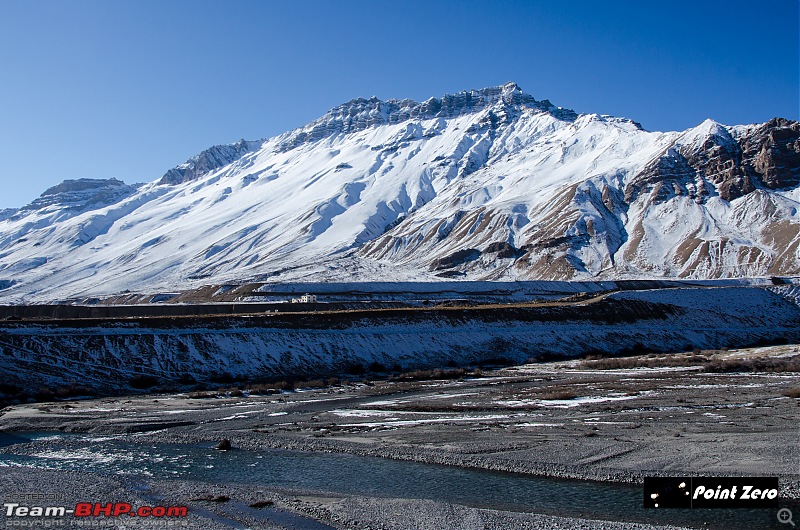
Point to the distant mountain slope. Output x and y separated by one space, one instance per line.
483 184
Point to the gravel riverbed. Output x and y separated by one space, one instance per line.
564 419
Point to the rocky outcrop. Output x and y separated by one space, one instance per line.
456 258
82 193
764 156
7 213
208 160
667 176
772 153
359 114
504 250
718 160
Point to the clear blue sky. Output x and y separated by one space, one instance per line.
128 89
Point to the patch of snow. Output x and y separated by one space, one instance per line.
408 423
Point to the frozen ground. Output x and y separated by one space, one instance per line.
105 355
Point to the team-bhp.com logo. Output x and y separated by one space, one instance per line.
90 509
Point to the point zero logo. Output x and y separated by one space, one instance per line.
710 492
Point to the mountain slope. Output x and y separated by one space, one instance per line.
484 184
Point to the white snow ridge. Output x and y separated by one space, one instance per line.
482 185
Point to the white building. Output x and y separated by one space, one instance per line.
305 299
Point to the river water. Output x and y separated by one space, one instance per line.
358 475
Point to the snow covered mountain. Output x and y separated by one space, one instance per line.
483 184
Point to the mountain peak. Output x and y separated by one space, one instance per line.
511 89
360 113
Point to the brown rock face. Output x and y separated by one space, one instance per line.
767 156
772 152
719 161
668 175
